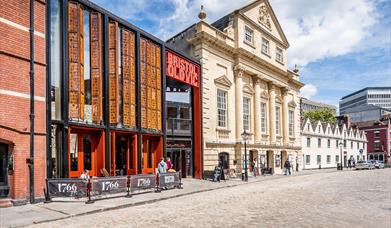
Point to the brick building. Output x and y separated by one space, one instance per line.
15 98
100 96
379 141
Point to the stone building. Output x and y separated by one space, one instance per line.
307 105
247 86
324 144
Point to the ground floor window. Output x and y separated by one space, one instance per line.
336 158
318 159
328 159
307 159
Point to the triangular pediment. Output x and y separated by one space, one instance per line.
248 89
261 14
223 81
265 95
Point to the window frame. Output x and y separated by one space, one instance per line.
278 120
291 123
246 35
279 52
267 46
219 108
263 117
246 116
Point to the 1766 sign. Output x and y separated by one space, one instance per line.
182 69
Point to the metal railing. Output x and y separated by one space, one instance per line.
178 126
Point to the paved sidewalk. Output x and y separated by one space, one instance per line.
44 212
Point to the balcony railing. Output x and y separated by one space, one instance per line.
178 126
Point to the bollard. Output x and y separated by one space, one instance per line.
46 193
158 189
180 180
89 185
128 195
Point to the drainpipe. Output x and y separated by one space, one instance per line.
30 161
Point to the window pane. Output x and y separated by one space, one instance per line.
291 122
246 114
263 117
87 72
277 120
74 152
55 59
221 108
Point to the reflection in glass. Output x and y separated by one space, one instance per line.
74 152
55 59
87 152
87 70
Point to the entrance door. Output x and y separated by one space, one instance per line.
82 155
148 157
284 157
3 169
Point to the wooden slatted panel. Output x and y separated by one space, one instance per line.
158 88
96 66
82 94
143 74
125 58
113 71
132 81
75 68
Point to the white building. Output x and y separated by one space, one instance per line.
324 143
247 86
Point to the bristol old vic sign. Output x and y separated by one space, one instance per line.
181 69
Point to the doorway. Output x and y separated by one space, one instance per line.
3 170
284 157
270 159
181 161
124 155
152 151
83 150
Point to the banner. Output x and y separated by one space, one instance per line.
169 179
142 182
67 187
108 185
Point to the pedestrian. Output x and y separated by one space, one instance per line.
162 166
349 163
287 167
85 175
354 163
169 164
255 167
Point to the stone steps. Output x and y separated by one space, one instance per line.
5 202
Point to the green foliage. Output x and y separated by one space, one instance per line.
324 115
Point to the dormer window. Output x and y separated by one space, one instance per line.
279 55
265 46
248 35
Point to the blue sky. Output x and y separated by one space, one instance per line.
340 45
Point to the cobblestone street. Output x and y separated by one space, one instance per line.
331 199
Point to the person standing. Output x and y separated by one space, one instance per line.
349 163
255 167
162 166
287 167
169 164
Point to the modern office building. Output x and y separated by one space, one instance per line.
324 145
99 96
306 105
249 94
379 96
360 115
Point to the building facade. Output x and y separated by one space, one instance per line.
379 96
324 145
100 96
247 87
18 64
306 105
366 113
379 140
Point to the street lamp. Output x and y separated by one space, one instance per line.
245 138
340 149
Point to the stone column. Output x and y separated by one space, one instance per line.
272 113
285 115
238 102
257 110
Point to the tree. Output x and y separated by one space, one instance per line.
324 115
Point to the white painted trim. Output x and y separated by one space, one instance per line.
21 27
21 95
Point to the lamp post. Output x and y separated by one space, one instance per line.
340 150
245 137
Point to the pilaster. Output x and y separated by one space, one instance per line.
285 117
272 112
257 110
238 102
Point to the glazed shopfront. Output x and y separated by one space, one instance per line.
107 84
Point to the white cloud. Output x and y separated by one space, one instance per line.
320 29
186 13
308 91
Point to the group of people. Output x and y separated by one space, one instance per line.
165 166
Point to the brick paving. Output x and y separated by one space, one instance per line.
320 199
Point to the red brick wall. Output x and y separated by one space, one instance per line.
15 89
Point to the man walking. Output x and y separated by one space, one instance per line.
287 167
